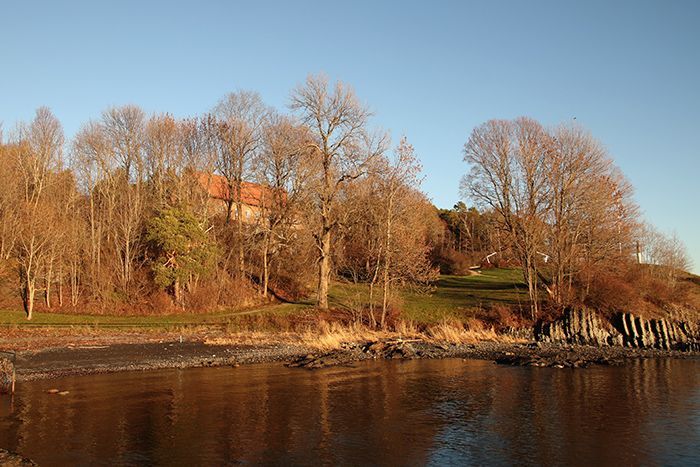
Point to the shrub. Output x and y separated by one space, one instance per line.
452 262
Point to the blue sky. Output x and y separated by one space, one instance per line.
628 71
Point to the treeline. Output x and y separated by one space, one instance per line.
122 216
565 213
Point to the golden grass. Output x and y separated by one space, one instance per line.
473 332
332 336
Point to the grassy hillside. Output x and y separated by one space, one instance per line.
453 297
459 297
64 319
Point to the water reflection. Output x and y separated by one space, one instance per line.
389 413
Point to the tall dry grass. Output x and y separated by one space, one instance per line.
327 336
472 332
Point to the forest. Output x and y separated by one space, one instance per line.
120 219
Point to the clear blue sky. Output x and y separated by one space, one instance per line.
628 71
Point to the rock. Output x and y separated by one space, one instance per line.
662 334
581 326
11 459
577 326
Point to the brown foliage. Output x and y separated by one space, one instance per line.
451 261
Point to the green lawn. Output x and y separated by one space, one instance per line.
63 319
452 297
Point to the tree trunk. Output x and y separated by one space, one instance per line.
387 260
60 292
239 229
74 293
229 210
531 280
27 291
266 272
48 280
178 293
29 304
371 291
324 268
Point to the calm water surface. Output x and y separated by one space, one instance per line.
445 412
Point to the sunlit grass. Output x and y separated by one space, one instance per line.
9 317
452 297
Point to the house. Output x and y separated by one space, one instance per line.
254 196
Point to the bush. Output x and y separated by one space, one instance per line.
452 262
288 288
498 316
161 303
202 299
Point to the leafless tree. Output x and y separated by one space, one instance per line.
41 144
508 176
238 134
284 167
399 182
341 146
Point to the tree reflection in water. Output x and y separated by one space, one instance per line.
388 413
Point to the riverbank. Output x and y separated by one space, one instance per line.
105 357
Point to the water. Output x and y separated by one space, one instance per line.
445 412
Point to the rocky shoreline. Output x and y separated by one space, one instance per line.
579 339
59 362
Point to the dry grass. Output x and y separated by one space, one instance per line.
327 336
474 331
322 335
331 336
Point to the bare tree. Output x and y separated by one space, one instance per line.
508 176
163 157
238 132
341 147
124 128
284 168
109 157
41 145
398 182
9 195
667 252
575 165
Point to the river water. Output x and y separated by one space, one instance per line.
434 412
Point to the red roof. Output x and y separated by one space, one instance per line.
252 194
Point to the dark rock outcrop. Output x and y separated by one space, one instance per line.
578 326
584 327
662 334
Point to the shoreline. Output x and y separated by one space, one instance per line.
57 362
